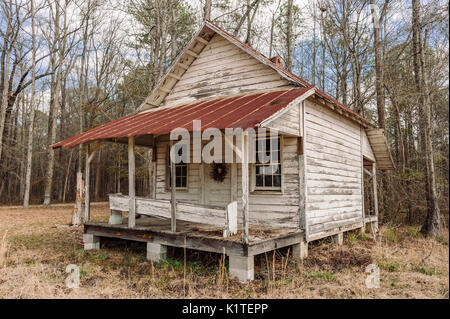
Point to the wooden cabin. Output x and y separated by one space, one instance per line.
322 176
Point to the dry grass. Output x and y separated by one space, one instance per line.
37 245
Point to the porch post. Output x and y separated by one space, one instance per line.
150 172
244 158
87 201
361 135
151 169
375 195
131 184
173 199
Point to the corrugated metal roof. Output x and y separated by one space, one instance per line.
244 111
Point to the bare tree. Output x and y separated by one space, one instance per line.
57 59
26 199
207 10
289 35
272 27
433 225
246 15
377 21
9 40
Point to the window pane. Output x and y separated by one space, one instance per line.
268 168
277 180
178 170
275 144
276 156
183 182
263 157
268 180
276 169
259 169
259 180
178 182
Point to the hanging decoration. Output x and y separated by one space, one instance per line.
219 172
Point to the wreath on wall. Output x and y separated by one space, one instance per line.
219 171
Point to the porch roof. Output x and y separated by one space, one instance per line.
243 110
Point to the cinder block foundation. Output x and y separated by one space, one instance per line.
242 268
91 242
375 226
300 250
338 239
115 218
156 252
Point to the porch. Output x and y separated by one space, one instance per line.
209 229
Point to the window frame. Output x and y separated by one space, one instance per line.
168 172
266 189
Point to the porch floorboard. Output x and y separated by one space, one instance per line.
197 236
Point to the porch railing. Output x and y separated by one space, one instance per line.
225 218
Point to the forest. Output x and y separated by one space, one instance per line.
70 65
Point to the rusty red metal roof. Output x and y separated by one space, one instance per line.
244 111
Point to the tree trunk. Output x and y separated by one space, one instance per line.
433 225
98 176
378 66
26 199
272 28
289 35
54 103
207 10
5 95
76 219
313 76
247 14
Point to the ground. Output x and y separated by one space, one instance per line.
36 245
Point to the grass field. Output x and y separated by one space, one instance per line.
37 244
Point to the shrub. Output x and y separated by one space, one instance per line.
426 271
391 235
413 232
321 274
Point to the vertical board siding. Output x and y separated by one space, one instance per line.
333 174
221 69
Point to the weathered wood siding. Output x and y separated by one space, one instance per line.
333 172
273 208
221 69
278 209
192 193
288 122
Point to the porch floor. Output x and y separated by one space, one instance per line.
197 236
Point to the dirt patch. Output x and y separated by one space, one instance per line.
339 259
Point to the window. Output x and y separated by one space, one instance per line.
180 172
268 164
